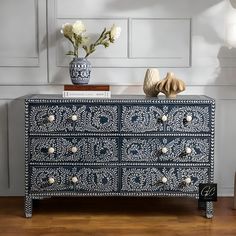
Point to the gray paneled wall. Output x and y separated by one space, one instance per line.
4 165
188 37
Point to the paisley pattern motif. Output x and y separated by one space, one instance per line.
150 149
200 121
150 179
89 179
40 178
197 175
90 118
97 180
39 118
147 179
140 119
99 119
90 149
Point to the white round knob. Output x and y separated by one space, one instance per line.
51 118
188 150
51 180
164 180
74 149
164 150
189 118
164 118
74 117
188 180
51 150
74 179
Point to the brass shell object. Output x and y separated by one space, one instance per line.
170 86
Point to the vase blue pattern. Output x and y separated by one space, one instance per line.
80 69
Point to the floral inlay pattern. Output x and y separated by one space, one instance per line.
150 149
141 119
200 119
90 118
150 179
87 149
89 179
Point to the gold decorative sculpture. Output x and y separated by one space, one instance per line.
152 77
170 86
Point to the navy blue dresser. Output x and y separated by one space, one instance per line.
121 146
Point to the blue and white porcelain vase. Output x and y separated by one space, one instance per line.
80 69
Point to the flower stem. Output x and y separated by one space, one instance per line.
100 41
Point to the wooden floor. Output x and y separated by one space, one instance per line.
116 217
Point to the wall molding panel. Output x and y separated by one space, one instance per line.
164 48
21 56
4 148
23 59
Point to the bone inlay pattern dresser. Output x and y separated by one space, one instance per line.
121 146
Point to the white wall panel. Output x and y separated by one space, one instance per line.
225 158
18 36
16 146
161 40
136 8
4 170
23 42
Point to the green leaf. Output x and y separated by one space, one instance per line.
70 53
91 47
103 32
93 50
106 44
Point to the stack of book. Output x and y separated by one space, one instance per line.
87 91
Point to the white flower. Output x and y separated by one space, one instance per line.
78 27
74 32
115 32
63 27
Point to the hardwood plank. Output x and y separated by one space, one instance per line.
116 216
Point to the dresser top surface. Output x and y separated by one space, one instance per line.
58 97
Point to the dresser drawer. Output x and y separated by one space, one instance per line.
80 179
73 118
169 149
84 149
152 179
175 118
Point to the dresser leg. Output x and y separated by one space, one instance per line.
209 210
28 207
201 205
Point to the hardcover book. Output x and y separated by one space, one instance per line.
87 87
86 94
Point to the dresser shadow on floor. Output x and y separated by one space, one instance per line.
117 206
